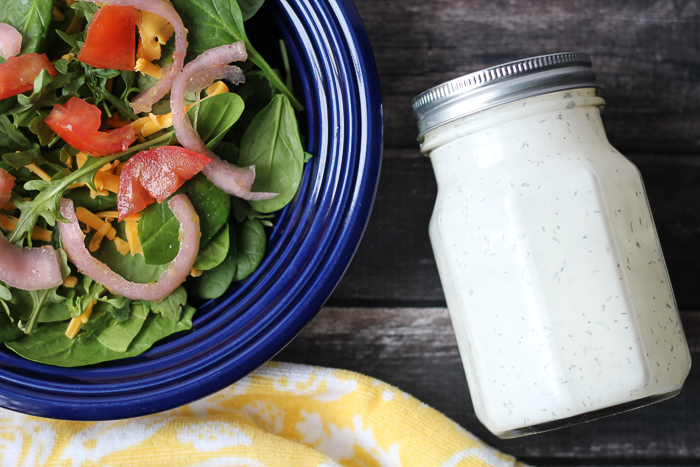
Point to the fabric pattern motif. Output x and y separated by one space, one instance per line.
281 415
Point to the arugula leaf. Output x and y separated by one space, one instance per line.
20 159
273 145
41 129
47 203
12 138
8 330
31 18
171 306
50 345
211 23
40 299
43 94
86 10
81 197
5 293
78 304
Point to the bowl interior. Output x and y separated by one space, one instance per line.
310 246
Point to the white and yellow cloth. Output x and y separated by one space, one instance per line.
281 415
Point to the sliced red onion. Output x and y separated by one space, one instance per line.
195 76
144 101
10 41
73 241
29 268
26 268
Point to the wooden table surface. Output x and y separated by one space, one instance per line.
388 318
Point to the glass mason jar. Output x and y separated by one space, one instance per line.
546 249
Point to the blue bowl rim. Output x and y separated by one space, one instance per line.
310 248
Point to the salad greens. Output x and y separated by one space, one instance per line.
254 124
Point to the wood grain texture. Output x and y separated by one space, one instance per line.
394 265
415 350
387 317
646 55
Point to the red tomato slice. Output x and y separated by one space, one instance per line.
111 39
155 174
78 123
17 73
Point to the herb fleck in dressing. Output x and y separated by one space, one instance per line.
551 266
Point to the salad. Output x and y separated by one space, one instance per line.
145 146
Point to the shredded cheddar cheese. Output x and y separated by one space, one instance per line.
70 281
146 126
106 181
38 171
217 87
78 321
154 31
122 246
196 272
108 215
132 236
97 237
10 223
93 221
81 158
148 68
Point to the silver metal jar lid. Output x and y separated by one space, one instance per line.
501 84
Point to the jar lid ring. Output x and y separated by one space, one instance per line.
499 85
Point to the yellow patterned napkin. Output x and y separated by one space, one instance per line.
281 415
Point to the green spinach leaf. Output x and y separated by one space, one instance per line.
212 205
158 234
46 203
213 252
250 246
31 18
215 115
211 23
272 144
118 335
132 268
50 345
213 283
249 8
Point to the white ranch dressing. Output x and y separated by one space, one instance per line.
551 266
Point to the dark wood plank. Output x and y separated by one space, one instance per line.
387 317
646 55
394 265
415 350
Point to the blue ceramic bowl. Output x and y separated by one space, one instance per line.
311 246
